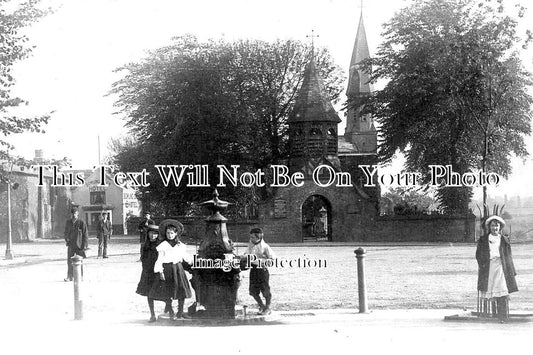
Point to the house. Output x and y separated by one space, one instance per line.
93 199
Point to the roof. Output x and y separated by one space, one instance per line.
23 170
357 79
312 103
348 148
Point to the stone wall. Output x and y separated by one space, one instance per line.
238 231
349 213
423 228
36 211
431 228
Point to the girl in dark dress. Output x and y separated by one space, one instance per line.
170 279
148 258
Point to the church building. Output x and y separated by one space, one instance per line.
319 211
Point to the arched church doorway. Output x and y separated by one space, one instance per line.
316 219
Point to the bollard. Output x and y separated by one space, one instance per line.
360 255
77 262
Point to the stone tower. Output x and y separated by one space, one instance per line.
360 130
313 126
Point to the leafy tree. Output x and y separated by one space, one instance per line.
409 200
13 19
212 103
455 81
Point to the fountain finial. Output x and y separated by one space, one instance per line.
215 204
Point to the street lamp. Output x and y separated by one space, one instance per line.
9 252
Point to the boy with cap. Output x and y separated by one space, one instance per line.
259 276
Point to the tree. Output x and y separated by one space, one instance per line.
13 48
456 91
212 103
410 201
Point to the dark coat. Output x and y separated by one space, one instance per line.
143 229
148 258
104 228
483 260
76 234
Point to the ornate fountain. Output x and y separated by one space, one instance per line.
217 286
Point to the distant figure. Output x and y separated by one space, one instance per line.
496 276
143 229
76 240
104 230
259 276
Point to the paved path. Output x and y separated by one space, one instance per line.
325 332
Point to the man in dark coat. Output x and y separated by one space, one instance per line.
103 233
76 240
505 259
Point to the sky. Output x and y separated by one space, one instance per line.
78 47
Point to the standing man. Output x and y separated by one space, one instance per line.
103 233
143 229
76 240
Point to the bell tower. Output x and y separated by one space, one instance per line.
313 126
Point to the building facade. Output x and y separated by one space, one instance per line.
38 209
344 210
93 200
41 206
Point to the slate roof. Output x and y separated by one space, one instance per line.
312 103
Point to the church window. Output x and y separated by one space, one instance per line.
314 132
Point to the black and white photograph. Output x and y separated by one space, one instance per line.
267 177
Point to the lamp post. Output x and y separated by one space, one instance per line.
9 252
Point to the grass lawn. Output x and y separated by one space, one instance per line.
396 277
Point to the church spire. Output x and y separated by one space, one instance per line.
358 80
360 130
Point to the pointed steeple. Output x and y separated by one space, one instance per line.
312 103
360 130
358 80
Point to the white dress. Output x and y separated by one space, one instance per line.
497 286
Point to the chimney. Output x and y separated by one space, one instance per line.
38 156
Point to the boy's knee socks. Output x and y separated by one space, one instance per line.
181 302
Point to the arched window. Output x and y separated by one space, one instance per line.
315 132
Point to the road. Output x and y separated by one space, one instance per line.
411 288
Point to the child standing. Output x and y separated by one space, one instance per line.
148 258
259 276
170 279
